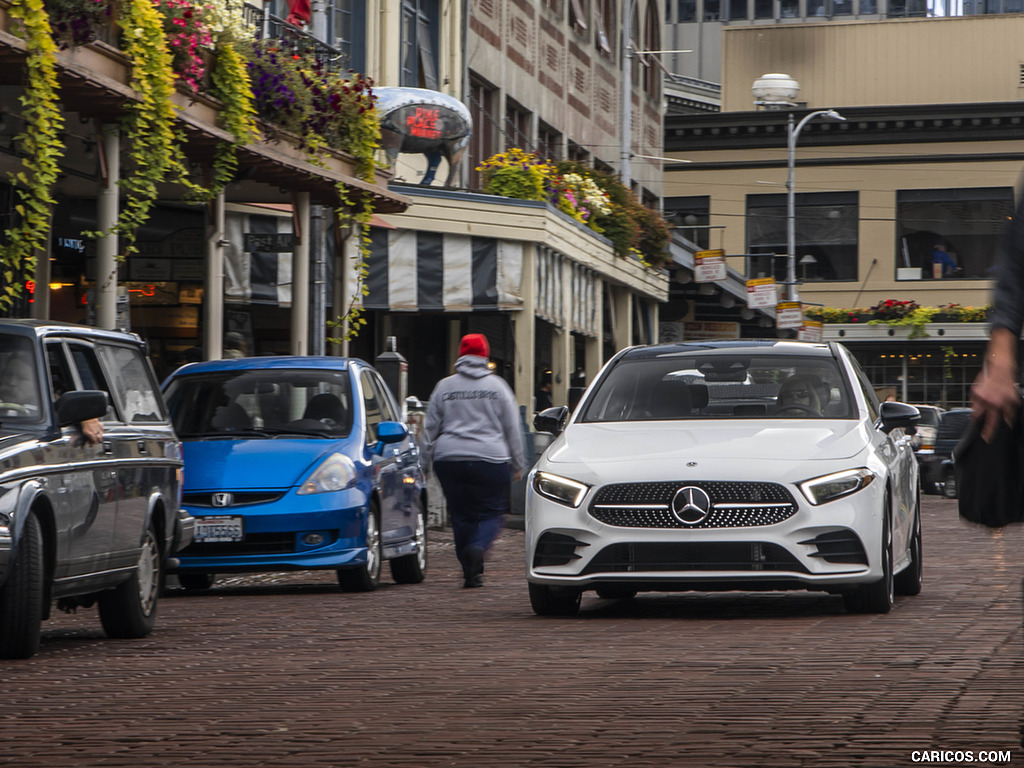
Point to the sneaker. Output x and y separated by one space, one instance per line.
473 581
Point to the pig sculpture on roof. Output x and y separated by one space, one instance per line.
417 120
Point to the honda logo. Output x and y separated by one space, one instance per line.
223 499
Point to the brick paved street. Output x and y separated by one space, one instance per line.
286 670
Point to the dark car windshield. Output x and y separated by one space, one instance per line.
722 386
264 403
20 393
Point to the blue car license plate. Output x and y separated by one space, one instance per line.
210 530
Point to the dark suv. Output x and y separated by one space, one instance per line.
83 522
936 467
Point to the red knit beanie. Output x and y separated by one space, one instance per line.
474 344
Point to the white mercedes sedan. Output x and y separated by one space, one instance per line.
726 465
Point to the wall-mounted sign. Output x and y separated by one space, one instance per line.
710 329
761 292
142 293
709 266
270 242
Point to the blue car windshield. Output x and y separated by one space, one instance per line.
266 403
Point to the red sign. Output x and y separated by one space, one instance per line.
423 124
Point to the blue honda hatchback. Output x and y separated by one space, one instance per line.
297 463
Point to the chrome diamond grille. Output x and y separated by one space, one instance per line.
733 504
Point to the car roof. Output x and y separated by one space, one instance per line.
741 346
294 362
39 328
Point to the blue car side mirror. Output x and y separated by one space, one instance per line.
392 432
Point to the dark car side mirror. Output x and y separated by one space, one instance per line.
895 415
392 432
551 420
80 405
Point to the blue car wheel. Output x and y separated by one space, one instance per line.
365 577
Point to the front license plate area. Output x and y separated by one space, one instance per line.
212 530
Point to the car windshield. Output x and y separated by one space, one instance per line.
703 385
20 398
264 403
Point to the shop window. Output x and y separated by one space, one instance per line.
840 7
738 10
712 10
686 10
968 223
907 8
347 22
577 154
689 217
517 126
826 236
817 8
764 9
789 9
483 143
549 143
419 44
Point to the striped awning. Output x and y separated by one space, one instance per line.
581 314
411 271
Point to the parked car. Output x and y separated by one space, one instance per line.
297 463
730 465
937 466
81 523
923 440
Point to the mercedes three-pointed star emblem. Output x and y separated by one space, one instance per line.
691 505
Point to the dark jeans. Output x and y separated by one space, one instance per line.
477 494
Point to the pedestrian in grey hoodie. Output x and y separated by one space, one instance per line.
474 439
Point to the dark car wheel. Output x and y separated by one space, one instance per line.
129 610
908 581
366 576
412 568
554 601
21 597
196 581
878 596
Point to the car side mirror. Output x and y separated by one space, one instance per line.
80 405
392 432
551 420
898 415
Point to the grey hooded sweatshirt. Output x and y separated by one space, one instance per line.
472 416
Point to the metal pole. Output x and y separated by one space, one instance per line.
791 290
626 138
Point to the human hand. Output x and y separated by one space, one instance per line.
994 394
517 476
92 430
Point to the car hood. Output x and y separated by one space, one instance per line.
639 449
252 464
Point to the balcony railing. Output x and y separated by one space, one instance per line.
273 28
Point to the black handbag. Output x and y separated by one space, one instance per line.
990 476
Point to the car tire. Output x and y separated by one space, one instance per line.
878 596
908 581
949 489
616 591
365 577
129 610
196 581
21 597
412 568
554 601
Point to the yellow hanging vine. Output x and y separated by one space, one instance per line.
40 140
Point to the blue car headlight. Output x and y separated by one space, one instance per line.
820 490
560 489
336 473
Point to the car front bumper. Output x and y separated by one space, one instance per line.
828 547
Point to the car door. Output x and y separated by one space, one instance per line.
408 471
87 492
138 441
385 459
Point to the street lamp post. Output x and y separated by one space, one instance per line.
792 294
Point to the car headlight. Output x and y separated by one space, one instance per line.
560 489
336 473
835 486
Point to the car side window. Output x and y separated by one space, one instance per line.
386 406
61 380
138 390
371 407
90 373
